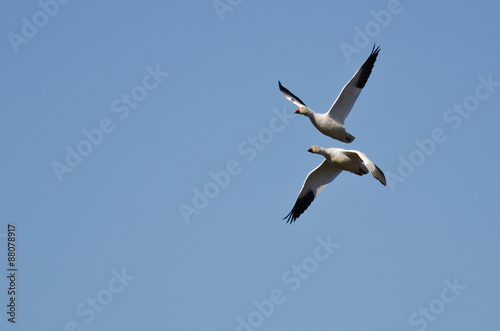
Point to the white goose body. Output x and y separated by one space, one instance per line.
336 160
343 159
329 127
331 123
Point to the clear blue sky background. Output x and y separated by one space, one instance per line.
398 249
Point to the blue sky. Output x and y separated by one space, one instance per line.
149 158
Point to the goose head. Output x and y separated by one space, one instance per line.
314 149
303 110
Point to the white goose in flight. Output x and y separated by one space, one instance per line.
332 122
336 160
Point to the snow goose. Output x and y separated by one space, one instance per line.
332 122
336 160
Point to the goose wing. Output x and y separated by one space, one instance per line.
372 168
290 96
349 94
315 182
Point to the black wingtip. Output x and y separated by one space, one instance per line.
366 68
375 50
300 207
282 88
290 218
381 176
289 94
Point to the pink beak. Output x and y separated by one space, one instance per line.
297 111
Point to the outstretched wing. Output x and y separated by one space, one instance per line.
315 182
290 96
349 94
372 168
